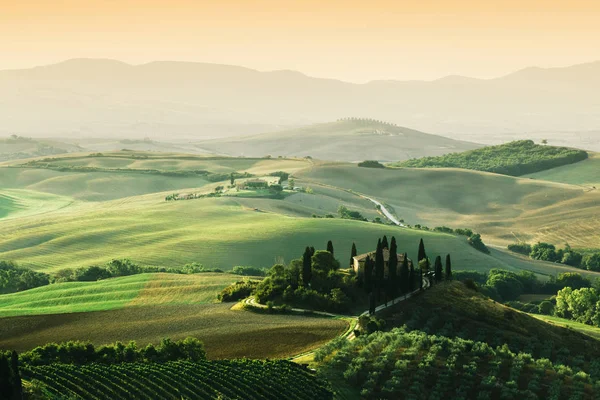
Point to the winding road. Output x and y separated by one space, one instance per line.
385 211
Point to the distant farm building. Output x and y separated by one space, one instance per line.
359 262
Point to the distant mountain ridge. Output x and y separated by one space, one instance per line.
89 97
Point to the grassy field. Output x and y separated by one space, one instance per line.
92 186
175 162
110 185
503 209
582 173
225 333
341 140
148 307
218 232
129 291
576 326
16 203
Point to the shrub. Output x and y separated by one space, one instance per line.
237 291
371 164
521 248
248 271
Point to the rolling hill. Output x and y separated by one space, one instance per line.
503 209
196 100
345 140
17 147
586 172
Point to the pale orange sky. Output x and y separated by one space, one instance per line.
350 40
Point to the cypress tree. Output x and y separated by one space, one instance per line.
384 243
392 280
307 266
420 279
16 376
6 381
312 251
371 303
448 268
404 274
439 273
368 275
379 269
411 278
422 254
330 247
353 253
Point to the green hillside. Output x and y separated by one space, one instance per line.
217 232
515 158
586 172
503 209
20 203
344 140
136 290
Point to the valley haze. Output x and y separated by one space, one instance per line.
90 98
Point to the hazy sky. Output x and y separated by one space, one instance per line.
350 40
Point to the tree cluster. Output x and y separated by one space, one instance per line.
515 158
504 286
76 352
313 281
568 256
11 387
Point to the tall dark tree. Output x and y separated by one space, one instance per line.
392 281
371 303
330 247
353 253
379 269
10 379
448 268
404 275
439 269
312 251
420 279
232 179
368 275
411 278
307 266
422 253
384 243
16 376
